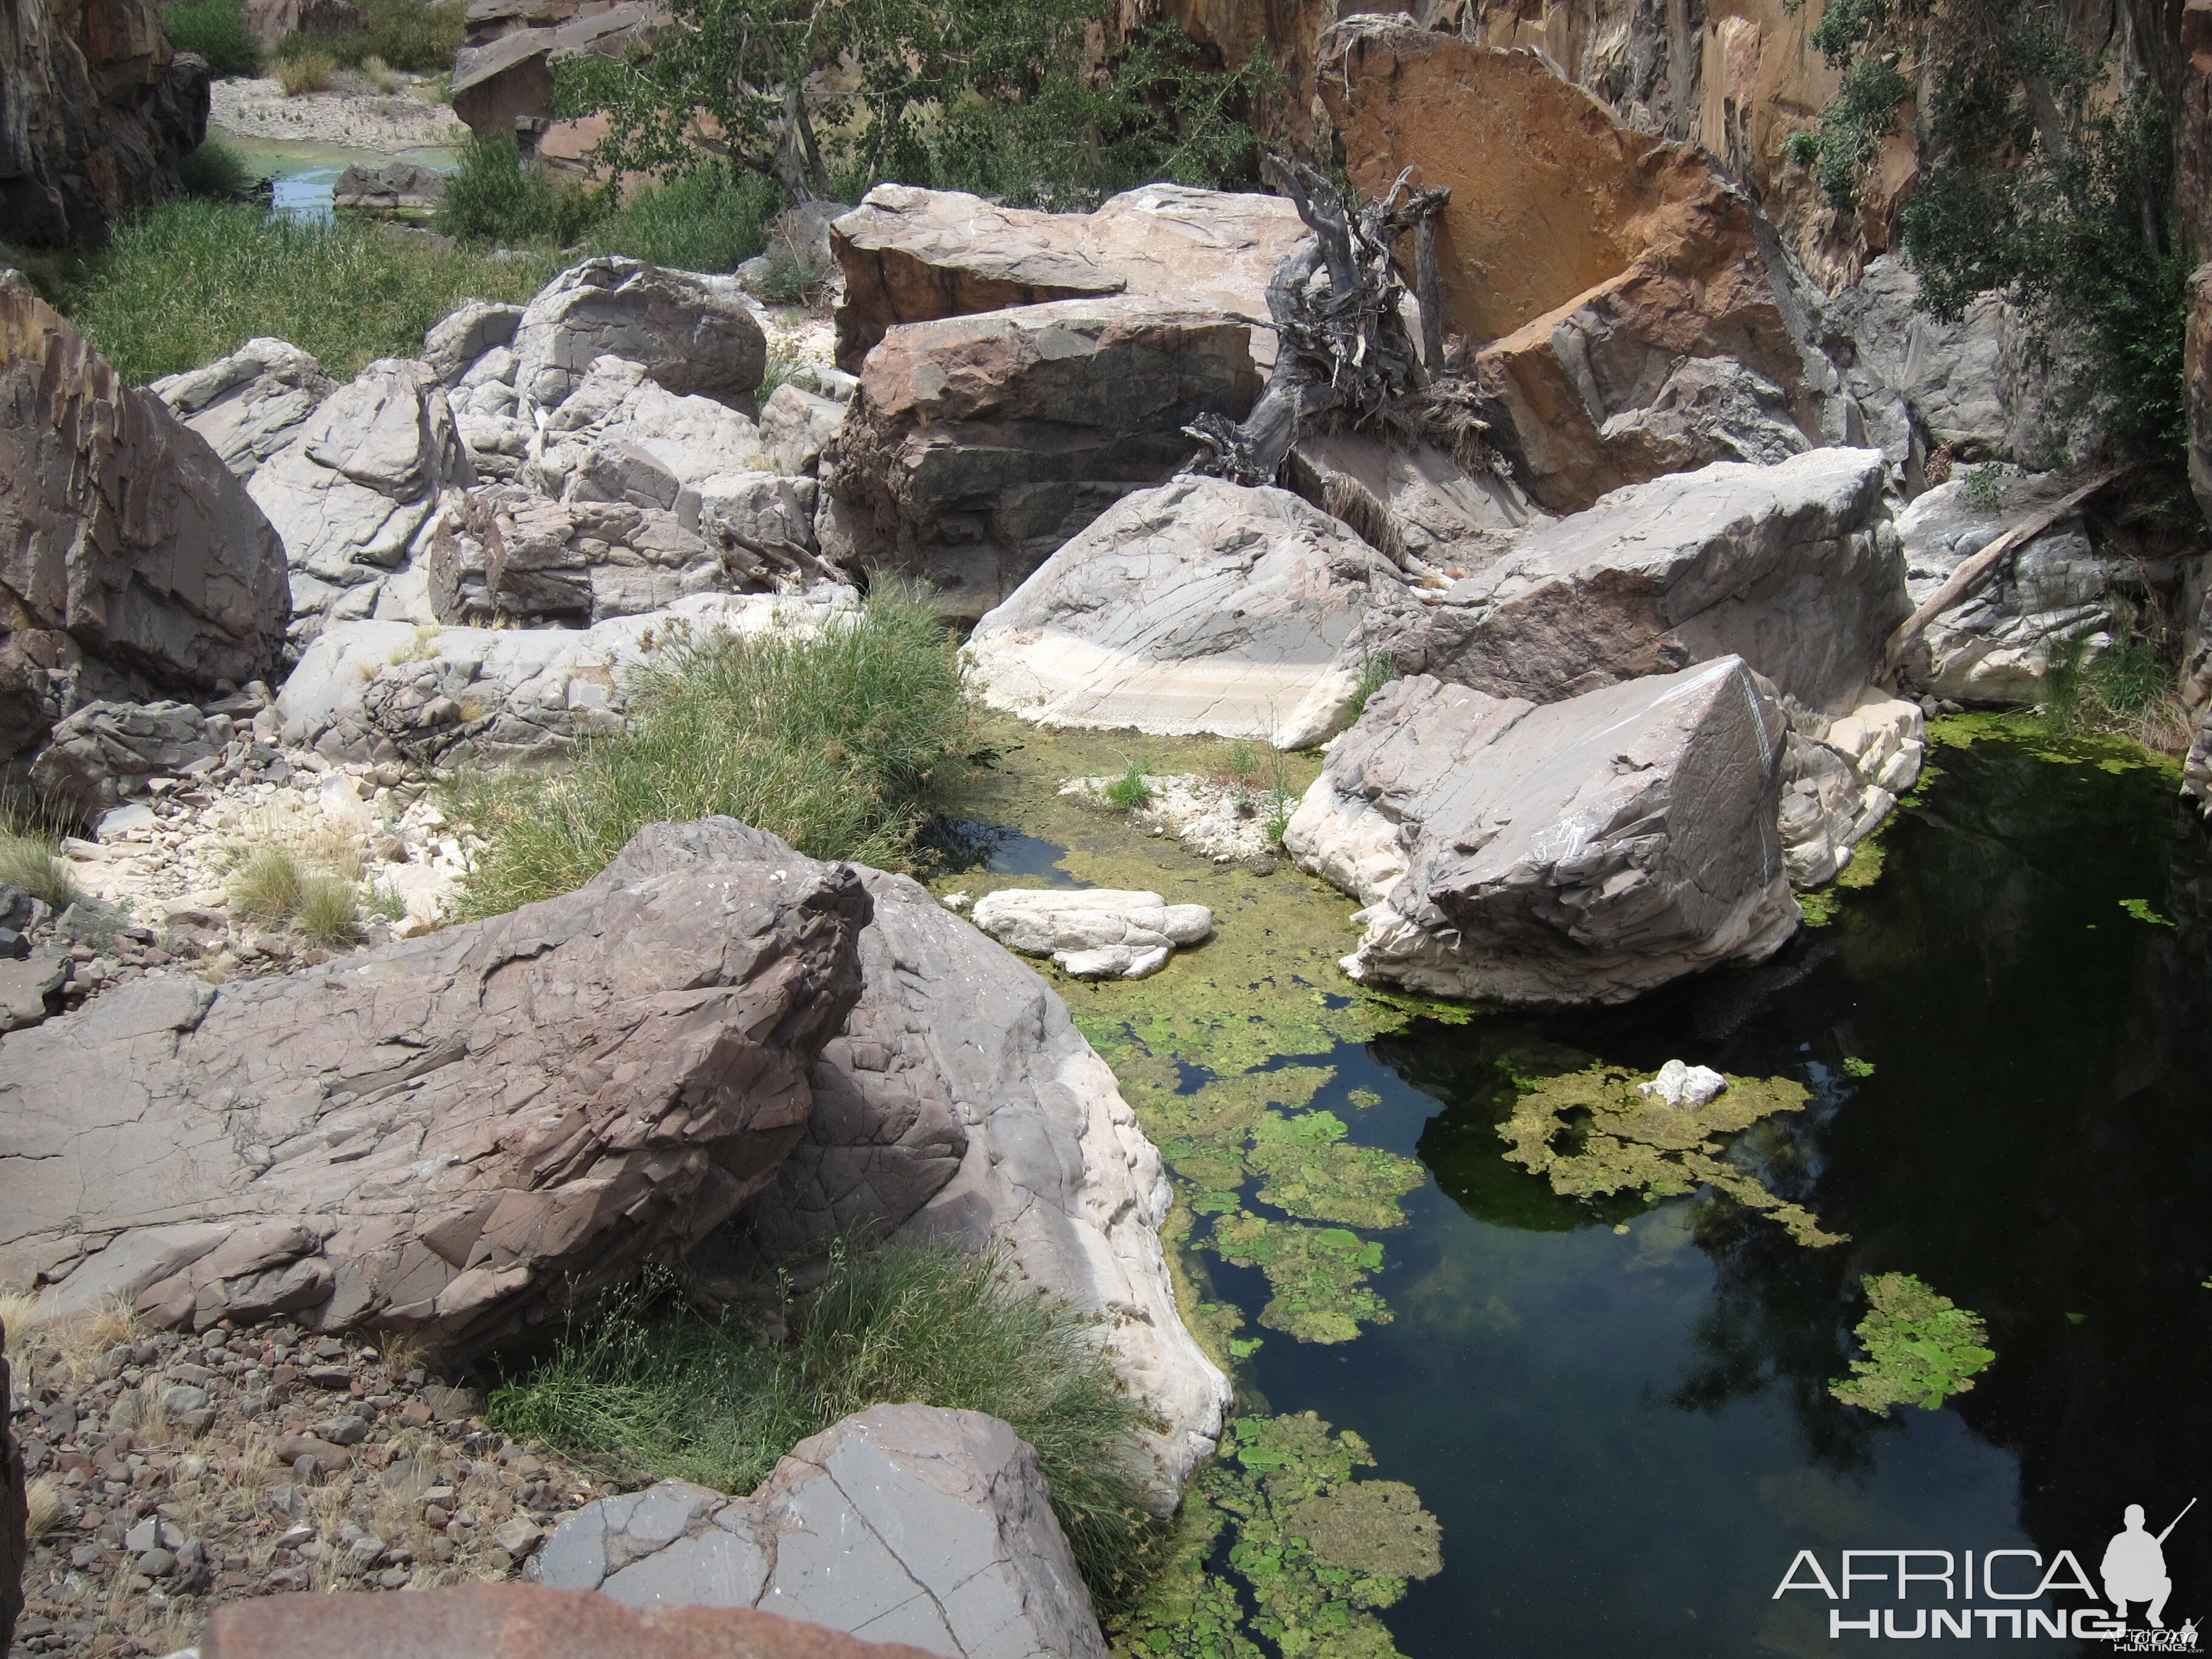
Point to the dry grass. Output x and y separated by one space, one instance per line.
309 71
268 886
44 1502
34 862
79 1339
300 869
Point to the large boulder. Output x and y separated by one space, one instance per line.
394 691
356 490
505 553
1092 933
1625 305
976 446
1996 645
901 1523
250 404
1579 852
129 557
105 751
689 337
1412 501
459 1135
961 1101
100 112
622 436
913 255
1201 607
502 79
513 1621
1795 567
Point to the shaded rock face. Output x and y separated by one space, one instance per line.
1417 506
458 1135
1996 644
1201 607
503 78
515 1621
960 1101
392 691
688 337
1592 273
250 404
910 256
901 1523
1839 779
98 113
1582 851
130 558
14 1490
976 446
1795 567
357 486
106 750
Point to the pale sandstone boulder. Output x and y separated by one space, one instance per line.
460 1135
688 337
1840 778
133 560
1585 271
911 255
976 446
250 404
1092 933
1580 851
755 516
392 690
899 1523
796 425
959 1101
1201 607
622 436
1795 567
504 553
359 483
453 344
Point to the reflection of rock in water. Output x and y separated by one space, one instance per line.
1723 1005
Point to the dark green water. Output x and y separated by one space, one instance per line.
1621 1417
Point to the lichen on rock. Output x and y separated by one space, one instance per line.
1591 1133
1921 1347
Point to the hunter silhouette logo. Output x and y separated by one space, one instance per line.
2132 1569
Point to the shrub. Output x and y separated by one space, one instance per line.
705 219
328 913
269 886
191 281
2128 691
307 71
378 74
216 30
216 173
34 862
401 34
1131 790
494 196
838 742
654 1389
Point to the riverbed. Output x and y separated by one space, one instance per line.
1618 1410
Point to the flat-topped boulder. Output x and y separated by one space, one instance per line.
250 404
1578 852
1199 606
459 1135
690 338
1795 567
976 446
909 255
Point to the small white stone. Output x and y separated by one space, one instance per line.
1679 1085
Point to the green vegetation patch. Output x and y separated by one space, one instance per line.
401 34
1921 1348
1318 1275
651 1389
216 30
1591 1133
1318 1553
2140 910
839 742
1306 1167
193 281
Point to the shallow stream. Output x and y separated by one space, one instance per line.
306 173
1619 1411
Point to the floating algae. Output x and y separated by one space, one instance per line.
1921 1347
1318 1553
1318 1275
1307 1169
1591 1133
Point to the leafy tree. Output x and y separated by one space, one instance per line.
2033 183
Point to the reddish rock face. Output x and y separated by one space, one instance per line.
100 112
516 1621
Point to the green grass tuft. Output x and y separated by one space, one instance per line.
216 30
34 862
192 281
652 1388
702 220
838 742
216 173
1375 673
494 196
400 35
1132 789
328 913
269 886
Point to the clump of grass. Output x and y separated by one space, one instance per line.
216 172
378 74
494 196
1984 490
269 886
654 1387
191 281
34 862
43 1507
705 219
839 743
216 30
328 913
402 34
304 72
1375 672
1131 790
2128 691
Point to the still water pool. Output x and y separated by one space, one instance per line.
304 174
1618 1412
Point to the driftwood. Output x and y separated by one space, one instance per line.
1343 349
1971 575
